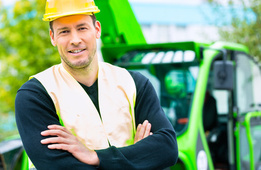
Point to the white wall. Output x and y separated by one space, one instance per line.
159 33
170 1
172 33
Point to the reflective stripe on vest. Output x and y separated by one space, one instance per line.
116 94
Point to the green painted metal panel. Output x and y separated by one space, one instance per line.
237 139
119 24
250 139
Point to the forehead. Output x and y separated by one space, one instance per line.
71 20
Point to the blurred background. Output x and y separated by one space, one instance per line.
25 47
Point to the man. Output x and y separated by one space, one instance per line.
97 104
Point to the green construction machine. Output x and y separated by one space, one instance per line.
210 92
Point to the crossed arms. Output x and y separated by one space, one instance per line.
64 140
35 111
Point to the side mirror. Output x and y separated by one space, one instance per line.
223 75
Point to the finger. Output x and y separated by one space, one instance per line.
54 133
57 127
54 140
59 146
142 130
147 130
137 132
51 127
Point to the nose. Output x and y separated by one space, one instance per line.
75 38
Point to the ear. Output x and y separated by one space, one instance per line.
52 38
98 29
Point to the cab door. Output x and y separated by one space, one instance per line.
248 113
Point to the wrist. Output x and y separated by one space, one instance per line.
96 160
92 159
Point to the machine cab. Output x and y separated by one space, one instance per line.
212 101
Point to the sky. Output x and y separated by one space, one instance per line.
194 2
8 2
11 2
170 1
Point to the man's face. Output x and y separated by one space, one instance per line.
75 37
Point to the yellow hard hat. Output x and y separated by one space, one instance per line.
59 8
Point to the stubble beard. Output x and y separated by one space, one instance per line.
81 65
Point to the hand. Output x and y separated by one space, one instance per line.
64 140
143 131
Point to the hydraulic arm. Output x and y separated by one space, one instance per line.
119 24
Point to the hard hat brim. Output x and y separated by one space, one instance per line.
51 17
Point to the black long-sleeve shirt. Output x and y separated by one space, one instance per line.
35 111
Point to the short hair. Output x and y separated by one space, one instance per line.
92 16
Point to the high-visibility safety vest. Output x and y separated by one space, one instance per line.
116 95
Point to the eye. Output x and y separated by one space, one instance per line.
64 32
82 28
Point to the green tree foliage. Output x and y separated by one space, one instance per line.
244 28
25 48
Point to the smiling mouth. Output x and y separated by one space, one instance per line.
76 51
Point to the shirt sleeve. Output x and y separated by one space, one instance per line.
157 151
34 111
